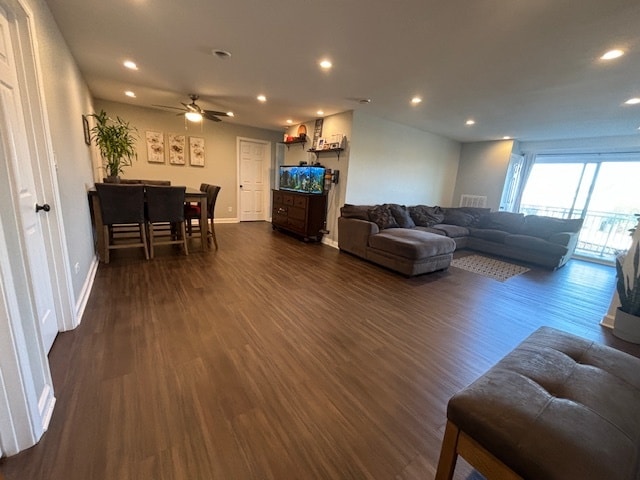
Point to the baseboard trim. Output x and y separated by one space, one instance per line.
608 321
46 404
83 298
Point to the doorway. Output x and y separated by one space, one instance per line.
600 190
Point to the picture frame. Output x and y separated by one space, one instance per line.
334 145
155 146
85 129
176 149
320 144
196 151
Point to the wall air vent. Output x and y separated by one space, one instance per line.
473 201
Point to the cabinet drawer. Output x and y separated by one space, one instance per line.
299 213
279 210
300 202
297 224
287 199
277 197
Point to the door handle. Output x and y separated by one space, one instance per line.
44 207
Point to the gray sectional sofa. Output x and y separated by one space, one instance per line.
421 239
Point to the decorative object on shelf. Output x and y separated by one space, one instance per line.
627 318
302 132
319 144
317 131
196 151
116 140
176 149
155 146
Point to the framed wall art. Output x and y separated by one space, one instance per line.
196 151
85 128
155 146
176 149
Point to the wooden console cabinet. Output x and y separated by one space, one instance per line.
301 213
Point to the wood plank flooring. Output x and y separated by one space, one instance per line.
295 361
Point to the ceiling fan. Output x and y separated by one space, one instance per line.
193 112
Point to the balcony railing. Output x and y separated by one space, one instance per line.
603 234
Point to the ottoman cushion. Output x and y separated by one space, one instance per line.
557 407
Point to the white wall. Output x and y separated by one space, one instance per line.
220 147
482 171
393 163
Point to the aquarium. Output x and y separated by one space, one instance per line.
302 178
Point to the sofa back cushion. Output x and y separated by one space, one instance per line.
544 227
361 212
506 221
425 216
381 215
464 216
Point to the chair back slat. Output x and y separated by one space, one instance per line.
121 204
212 196
165 204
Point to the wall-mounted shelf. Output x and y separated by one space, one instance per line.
327 150
299 141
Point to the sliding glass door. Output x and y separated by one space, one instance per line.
603 192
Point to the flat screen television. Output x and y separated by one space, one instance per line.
302 178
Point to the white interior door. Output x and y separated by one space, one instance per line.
254 161
15 151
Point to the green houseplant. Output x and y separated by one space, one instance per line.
116 140
627 318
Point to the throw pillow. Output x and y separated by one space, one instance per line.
507 221
462 219
402 216
361 212
381 215
425 216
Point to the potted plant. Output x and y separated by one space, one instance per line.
116 140
627 319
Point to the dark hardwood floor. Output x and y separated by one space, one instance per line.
276 359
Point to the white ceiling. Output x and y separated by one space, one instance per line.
529 69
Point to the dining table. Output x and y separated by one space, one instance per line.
191 195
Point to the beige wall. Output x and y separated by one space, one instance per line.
220 146
482 171
393 163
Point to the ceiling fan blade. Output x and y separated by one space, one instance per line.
167 106
206 114
213 112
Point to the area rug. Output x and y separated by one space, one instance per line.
489 267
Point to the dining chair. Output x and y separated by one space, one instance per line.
212 195
122 210
165 217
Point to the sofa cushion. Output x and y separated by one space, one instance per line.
401 214
476 213
431 230
543 227
381 215
507 221
452 231
534 243
425 216
455 217
361 212
411 244
489 234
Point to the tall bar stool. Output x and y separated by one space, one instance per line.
122 210
165 217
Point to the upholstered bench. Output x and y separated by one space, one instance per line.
558 407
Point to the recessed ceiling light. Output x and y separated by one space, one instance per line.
633 101
129 93
289 121
611 54
470 122
416 100
320 112
130 65
506 137
325 64
261 98
222 54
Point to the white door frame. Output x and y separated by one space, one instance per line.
266 175
26 392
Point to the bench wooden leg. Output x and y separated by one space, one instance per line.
448 453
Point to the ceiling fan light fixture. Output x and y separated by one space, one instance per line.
193 116
230 114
